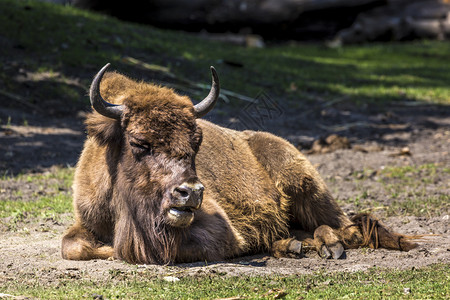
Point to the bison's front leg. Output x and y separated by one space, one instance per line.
326 241
212 237
80 244
287 247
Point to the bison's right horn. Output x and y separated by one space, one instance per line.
208 103
107 109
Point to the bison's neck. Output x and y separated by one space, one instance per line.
144 241
140 235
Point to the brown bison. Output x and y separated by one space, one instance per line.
156 184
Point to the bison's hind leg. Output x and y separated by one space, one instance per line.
376 235
364 231
80 244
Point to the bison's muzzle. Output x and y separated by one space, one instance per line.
186 199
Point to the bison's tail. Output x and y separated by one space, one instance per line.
376 235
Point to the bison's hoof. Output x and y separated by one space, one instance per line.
335 251
296 247
324 252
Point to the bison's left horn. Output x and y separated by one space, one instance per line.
208 103
101 106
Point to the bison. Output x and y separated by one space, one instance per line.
155 184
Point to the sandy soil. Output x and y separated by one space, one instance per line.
376 135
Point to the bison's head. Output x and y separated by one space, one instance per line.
158 137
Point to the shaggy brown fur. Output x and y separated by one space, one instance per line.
261 193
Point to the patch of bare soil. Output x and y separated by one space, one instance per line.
36 254
377 140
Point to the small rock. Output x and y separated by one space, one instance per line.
171 279
403 152
407 291
254 41
329 144
446 217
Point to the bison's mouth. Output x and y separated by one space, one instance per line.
181 216
181 210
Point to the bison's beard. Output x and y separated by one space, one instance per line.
141 234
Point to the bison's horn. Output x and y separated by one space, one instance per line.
208 103
101 106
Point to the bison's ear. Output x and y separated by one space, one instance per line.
104 130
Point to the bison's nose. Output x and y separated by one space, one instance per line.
188 195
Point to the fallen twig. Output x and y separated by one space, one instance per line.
373 208
184 83
345 126
147 66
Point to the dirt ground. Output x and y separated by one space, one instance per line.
377 137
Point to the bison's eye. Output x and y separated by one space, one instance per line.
139 148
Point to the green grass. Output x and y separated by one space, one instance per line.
375 73
404 191
410 183
51 197
63 176
42 207
425 283
406 174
